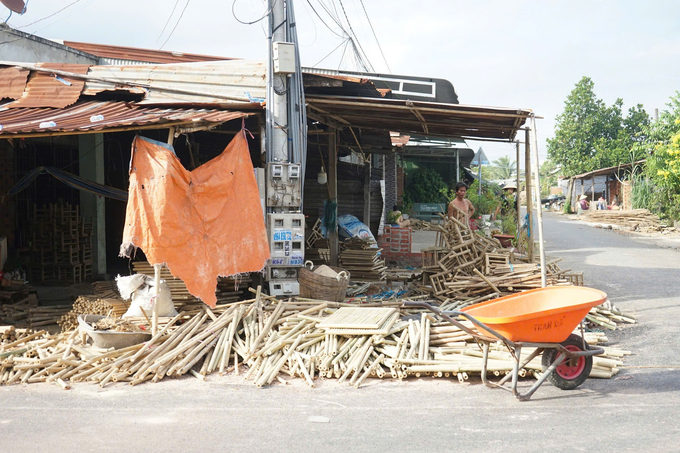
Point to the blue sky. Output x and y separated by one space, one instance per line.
508 53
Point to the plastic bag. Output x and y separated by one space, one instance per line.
141 288
350 227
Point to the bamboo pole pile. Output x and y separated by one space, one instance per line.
636 219
11 313
92 305
272 340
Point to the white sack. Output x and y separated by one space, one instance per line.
143 296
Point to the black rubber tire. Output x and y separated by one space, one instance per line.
582 368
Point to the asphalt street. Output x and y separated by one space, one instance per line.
638 410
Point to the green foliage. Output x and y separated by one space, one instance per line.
503 168
426 186
567 207
489 200
509 224
591 135
660 142
406 203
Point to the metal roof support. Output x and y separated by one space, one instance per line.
539 207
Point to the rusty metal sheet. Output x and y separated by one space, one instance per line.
135 54
88 116
47 90
12 82
419 118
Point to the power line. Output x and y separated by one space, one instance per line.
53 14
374 35
329 54
233 13
323 21
355 41
166 23
176 24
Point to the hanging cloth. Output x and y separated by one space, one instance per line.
203 223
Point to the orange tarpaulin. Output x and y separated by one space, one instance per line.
202 223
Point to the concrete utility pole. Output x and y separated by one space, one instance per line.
279 106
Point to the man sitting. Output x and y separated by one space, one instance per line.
396 218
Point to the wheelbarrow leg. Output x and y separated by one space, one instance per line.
524 363
525 397
484 367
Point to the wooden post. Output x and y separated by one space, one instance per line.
458 166
333 188
527 182
539 208
157 290
367 191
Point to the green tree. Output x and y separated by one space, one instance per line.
426 186
591 135
660 143
504 168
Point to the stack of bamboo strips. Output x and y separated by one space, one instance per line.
636 219
362 261
105 289
92 305
275 340
17 311
229 289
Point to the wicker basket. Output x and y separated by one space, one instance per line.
315 286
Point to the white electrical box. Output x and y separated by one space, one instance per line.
284 57
286 239
284 185
284 288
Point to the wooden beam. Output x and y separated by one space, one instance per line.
367 192
530 209
333 239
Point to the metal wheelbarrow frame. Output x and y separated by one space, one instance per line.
565 351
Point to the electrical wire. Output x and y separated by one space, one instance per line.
264 16
331 52
53 14
176 24
166 23
324 22
355 41
375 36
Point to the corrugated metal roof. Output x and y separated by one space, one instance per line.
423 118
12 82
135 54
92 116
46 90
219 82
232 83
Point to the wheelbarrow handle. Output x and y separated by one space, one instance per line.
459 325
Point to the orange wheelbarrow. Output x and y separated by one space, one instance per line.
542 318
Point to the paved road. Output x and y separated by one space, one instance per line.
639 411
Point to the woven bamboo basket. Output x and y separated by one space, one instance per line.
315 286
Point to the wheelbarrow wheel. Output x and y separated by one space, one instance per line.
570 373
